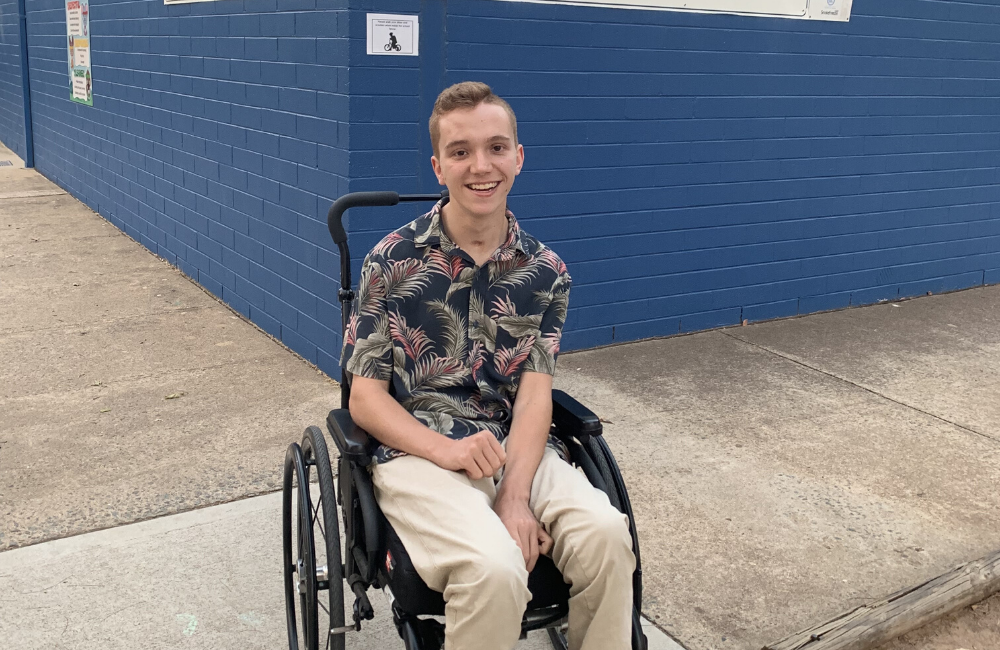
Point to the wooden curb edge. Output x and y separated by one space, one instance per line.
871 625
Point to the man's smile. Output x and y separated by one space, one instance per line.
479 158
483 187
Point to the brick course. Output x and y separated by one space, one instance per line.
11 103
693 170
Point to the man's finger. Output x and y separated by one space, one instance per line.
545 541
483 463
522 542
498 449
472 469
491 457
525 545
533 552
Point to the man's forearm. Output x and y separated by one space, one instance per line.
529 434
378 413
372 407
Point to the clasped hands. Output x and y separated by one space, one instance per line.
480 455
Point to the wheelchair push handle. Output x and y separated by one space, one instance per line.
334 222
334 219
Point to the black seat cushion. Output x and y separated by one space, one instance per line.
415 597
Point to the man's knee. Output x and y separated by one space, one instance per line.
502 569
494 569
606 544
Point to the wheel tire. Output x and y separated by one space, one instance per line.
292 550
597 448
314 449
300 551
639 640
600 454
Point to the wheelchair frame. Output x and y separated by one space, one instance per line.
363 564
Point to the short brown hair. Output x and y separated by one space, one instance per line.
467 94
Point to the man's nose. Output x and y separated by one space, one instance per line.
480 163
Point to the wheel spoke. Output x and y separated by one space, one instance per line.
329 618
301 539
316 518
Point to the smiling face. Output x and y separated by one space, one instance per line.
478 158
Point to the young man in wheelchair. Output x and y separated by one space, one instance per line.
461 312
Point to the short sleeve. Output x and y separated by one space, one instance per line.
546 347
367 344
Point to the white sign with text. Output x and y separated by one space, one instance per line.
393 35
837 10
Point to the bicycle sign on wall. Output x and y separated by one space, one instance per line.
390 34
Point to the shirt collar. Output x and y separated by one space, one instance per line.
430 232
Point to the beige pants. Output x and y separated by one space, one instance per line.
459 547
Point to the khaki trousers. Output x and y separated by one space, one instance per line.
459 547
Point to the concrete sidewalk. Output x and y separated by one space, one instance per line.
128 391
208 578
781 473
787 472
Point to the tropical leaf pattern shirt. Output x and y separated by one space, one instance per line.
451 337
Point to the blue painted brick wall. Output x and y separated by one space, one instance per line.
697 170
216 139
11 98
693 170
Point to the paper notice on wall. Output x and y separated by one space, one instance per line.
830 10
836 10
78 40
393 35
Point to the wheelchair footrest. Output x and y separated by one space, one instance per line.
424 633
363 610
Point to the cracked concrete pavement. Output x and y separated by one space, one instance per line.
96 333
781 473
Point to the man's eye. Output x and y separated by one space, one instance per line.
459 153
498 148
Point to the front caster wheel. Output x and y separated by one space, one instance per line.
311 538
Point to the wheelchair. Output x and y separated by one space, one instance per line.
315 570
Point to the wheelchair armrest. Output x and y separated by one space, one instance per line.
573 418
352 441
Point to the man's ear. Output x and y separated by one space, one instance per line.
520 159
436 166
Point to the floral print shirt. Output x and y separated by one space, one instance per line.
453 338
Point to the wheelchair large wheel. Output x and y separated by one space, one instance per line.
311 538
597 448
